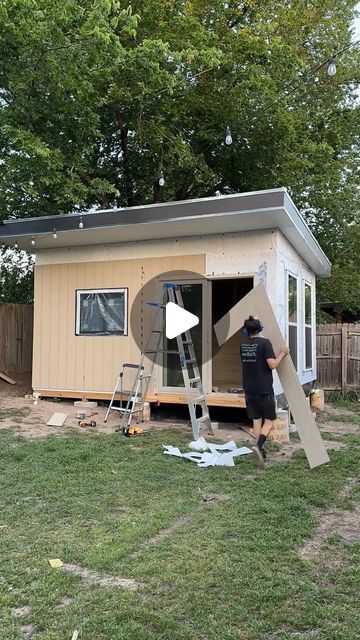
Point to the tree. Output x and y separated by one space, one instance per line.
16 276
98 98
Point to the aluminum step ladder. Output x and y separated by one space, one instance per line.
129 399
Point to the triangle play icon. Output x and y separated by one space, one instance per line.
178 320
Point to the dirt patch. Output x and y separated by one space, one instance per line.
208 498
159 537
28 419
345 524
332 408
28 631
20 612
341 428
20 389
64 602
103 581
287 450
215 497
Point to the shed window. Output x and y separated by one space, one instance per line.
293 318
101 312
308 325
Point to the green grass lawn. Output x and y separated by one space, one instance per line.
228 568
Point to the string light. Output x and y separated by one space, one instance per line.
54 234
161 179
228 136
16 246
331 66
81 224
33 241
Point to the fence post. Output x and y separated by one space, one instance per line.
344 356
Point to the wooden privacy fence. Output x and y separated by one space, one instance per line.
338 356
16 335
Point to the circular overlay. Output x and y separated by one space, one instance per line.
144 317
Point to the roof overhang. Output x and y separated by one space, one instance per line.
254 211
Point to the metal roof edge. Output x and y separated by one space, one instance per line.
156 205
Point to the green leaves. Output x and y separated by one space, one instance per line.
99 96
16 276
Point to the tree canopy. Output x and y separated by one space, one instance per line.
99 96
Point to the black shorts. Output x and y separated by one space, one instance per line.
260 406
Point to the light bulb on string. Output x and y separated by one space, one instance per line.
161 179
33 241
54 234
228 136
331 66
81 224
16 246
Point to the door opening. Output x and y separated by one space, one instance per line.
226 366
193 302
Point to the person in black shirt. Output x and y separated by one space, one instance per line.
258 360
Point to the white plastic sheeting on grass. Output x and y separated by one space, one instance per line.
207 454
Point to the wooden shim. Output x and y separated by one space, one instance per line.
7 378
258 304
57 420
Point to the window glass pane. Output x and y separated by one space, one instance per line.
307 304
308 348
101 313
293 344
292 299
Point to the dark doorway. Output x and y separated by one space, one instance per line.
226 368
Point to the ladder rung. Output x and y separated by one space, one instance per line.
124 392
204 418
198 399
192 380
188 342
191 361
120 409
161 351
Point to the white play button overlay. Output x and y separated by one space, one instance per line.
178 320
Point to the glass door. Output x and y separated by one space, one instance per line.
192 294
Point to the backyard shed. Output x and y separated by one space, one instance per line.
91 266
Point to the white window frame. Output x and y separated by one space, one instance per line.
293 324
80 292
310 326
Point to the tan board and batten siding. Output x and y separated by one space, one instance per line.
64 362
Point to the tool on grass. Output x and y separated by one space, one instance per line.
131 432
82 423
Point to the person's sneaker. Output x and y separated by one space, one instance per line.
258 456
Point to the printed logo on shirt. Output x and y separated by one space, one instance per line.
249 351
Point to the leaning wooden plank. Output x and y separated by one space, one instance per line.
7 378
258 304
57 420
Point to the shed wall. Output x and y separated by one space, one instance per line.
63 361
66 362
